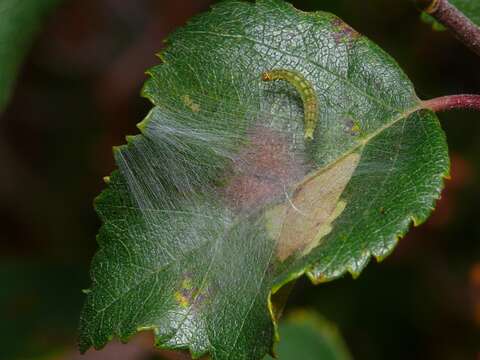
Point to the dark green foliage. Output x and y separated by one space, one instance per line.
187 249
471 8
307 336
19 21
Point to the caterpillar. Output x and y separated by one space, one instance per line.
307 94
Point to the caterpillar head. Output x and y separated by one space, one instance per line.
267 76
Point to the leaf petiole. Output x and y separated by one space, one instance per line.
452 18
450 102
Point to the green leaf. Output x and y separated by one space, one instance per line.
29 328
306 335
430 20
19 22
220 201
471 8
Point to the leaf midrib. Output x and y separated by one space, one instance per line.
360 144
340 78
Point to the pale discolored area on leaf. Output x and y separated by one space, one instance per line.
300 224
220 201
263 170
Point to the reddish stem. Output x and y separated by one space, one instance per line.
461 26
450 102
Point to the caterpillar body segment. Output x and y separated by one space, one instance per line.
307 94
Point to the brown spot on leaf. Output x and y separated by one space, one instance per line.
307 217
344 32
263 170
189 295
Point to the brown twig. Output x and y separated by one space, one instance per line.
449 16
445 103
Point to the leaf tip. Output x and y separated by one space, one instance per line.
354 273
380 258
130 138
161 56
317 279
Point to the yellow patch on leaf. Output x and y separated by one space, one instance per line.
190 103
182 300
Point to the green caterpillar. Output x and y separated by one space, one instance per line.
307 93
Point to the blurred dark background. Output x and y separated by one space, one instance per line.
78 95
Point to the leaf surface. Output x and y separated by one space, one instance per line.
19 22
429 19
220 201
471 8
308 336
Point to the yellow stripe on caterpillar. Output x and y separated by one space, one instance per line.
307 94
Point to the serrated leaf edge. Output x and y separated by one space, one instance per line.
308 269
